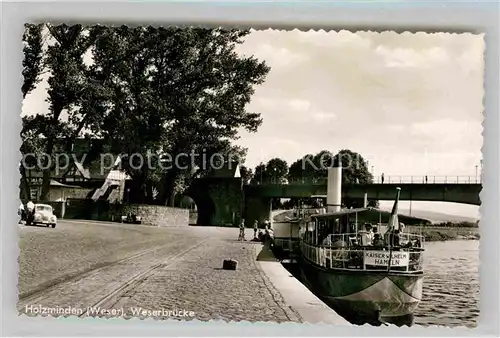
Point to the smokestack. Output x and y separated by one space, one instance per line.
334 188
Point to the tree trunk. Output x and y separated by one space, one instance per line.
25 187
167 194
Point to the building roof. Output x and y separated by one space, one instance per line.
230 169
371 213
340 213
83 171
54 183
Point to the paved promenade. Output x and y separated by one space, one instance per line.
117 270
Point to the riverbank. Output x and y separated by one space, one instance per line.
436 234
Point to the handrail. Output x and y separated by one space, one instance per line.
404 237
361 259
459 179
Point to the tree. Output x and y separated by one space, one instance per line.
311 167
246 174
259 176
32 68
276 170
175 91
315 168
354 171
63 58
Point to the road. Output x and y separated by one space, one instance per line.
81 266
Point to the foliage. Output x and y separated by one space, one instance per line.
311 168
33 57
152 93
32 68
176 91
67 87
276 170
259 176
463 224
246 174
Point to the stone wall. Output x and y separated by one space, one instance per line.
159 215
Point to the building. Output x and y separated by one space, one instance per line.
79 178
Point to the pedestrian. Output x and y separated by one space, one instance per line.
382 178
21 213
29 216
241 237
255 229
425 179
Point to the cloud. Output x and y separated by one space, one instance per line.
410 58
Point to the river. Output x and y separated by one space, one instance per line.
451 284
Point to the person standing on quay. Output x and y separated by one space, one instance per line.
255 228
29 216
241 237
21 213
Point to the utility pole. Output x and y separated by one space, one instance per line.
476 173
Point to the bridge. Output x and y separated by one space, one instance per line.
458 189
225 201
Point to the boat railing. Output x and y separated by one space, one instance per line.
366 258
356 238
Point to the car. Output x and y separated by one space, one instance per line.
131 219
43 214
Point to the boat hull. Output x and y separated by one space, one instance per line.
365 295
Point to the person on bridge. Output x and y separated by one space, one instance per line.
382 178
426 179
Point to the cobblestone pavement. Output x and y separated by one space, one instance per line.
85 264
197 283
49 256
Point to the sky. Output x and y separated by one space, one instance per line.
410 104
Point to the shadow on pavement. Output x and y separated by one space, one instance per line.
266 254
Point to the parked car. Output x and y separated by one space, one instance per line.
132 219
42 214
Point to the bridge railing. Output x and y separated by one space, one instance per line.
386 180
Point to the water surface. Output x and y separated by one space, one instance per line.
451 284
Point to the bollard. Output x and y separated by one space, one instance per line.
229 264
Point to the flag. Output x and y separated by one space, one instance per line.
393 220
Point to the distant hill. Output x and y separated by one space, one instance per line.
436 217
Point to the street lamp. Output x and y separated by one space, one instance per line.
476 173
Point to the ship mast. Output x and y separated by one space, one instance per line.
393 224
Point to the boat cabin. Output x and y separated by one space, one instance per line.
339 240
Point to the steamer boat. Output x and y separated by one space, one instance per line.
366 277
